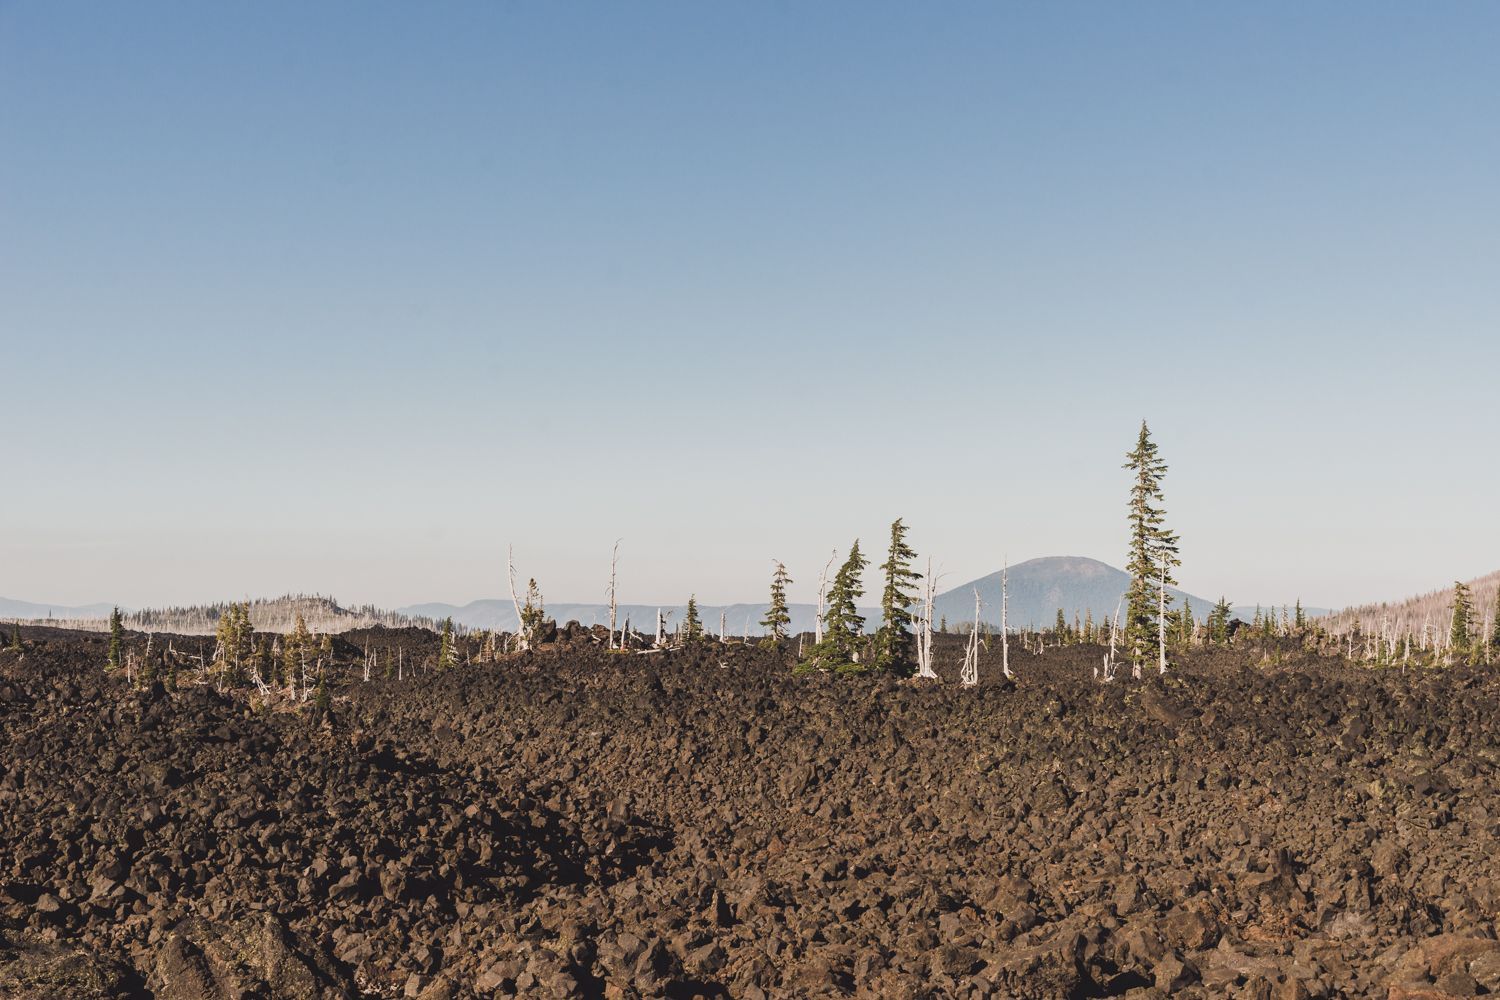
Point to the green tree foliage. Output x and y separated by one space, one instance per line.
1185 623
1462 632
778 616
1218 622
843 625
1494 632
236 637
1299 619
893 640
445 646
1060 627
533 613
116 639
692 625
323 701
1152 547
15 637
295 646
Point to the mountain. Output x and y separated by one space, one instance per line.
1039 587
27 610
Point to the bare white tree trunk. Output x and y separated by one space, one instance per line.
1161 621
523 641
613 561
661 629
969 676
822 597
723 626
1004 620
1114 635
924 632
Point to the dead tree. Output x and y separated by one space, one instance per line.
522 639
1161 620
969 676
924 631
1114 632
822 598
1004 623
613 561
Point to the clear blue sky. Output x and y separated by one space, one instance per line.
346 296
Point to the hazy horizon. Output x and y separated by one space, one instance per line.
347 298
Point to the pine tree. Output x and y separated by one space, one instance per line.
1185 620
778 616
224 636
1218 622
445 645
1299 618
1153 549
692 625
1463 618
116 639
1060 627
943 625
295 646
533 614
893 640
323 702
15 637
843 625
244 636
1494 634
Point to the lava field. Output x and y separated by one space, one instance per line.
704 823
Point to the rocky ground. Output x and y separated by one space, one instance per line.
573 822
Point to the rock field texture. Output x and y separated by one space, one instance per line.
703 823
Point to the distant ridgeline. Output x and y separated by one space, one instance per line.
278 614
1418 615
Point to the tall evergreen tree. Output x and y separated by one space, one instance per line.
1218 622
1060 627
1463 618
1494 634
116 639
1153 549
1299 618
692 625
778 616
893 640
843 620
843 625
1186 623
15 637
533 614
445 645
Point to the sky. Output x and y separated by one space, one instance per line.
349 297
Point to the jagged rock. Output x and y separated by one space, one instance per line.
51 972
199 959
